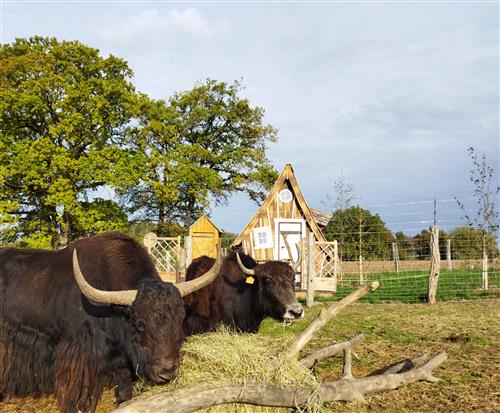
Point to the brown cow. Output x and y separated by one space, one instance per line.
242 295
60 335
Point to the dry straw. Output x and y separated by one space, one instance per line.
241 358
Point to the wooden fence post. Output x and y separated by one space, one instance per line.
304 266
448 254
435 265
485 266
311 256
188 246
335 264
395 255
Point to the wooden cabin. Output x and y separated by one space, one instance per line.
284 214
205 238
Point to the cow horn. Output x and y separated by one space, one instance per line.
296 264
188 287
245 270
125 297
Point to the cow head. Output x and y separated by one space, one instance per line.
275 284
156 314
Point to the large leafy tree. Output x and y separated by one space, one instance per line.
364 234
199 147
470 243
64 115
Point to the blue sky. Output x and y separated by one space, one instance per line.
389 94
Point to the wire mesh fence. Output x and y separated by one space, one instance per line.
469 266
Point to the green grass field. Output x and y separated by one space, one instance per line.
411 287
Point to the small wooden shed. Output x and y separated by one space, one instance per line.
284 214
205 238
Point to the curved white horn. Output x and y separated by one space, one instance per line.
188 287
245 270
125 297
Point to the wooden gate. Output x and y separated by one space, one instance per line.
167 255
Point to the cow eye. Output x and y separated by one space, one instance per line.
268 280
140 326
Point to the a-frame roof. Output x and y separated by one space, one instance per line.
204 217
286 175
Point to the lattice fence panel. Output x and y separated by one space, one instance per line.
166 254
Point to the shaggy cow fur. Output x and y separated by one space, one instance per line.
54 340
233 301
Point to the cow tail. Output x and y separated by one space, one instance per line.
78 378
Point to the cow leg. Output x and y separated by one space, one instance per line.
123 389
78 375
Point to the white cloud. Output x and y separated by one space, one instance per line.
154 25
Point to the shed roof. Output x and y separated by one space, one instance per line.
208 219
322 218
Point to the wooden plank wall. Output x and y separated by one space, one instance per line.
265 218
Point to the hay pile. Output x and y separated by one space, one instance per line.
225 355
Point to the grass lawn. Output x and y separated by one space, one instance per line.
468 330
411 286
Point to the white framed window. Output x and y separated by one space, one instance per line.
262 238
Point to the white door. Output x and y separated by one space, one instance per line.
287 239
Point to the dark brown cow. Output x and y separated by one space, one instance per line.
60 335
242 295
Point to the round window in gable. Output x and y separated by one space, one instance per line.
285 195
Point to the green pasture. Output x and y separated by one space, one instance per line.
411 286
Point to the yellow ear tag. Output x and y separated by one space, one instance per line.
250 280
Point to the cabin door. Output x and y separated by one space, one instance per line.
289 232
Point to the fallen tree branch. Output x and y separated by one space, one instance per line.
326 315
312 359
198 396
406 365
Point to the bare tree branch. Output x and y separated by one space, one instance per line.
198 396
326 315
312 359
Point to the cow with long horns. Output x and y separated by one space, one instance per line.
92 315
242 295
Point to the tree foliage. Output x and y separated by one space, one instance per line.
72 127
481 176
64 113
467 243
196 149
364 234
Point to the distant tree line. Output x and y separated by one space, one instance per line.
358 231
82 151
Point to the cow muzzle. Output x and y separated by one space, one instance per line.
165 372
292 312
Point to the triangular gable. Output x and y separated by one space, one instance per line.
208 219
289 175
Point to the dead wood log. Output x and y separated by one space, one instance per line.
191 398
312 359
326 315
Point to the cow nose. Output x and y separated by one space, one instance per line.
167 371
168 374
296 310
